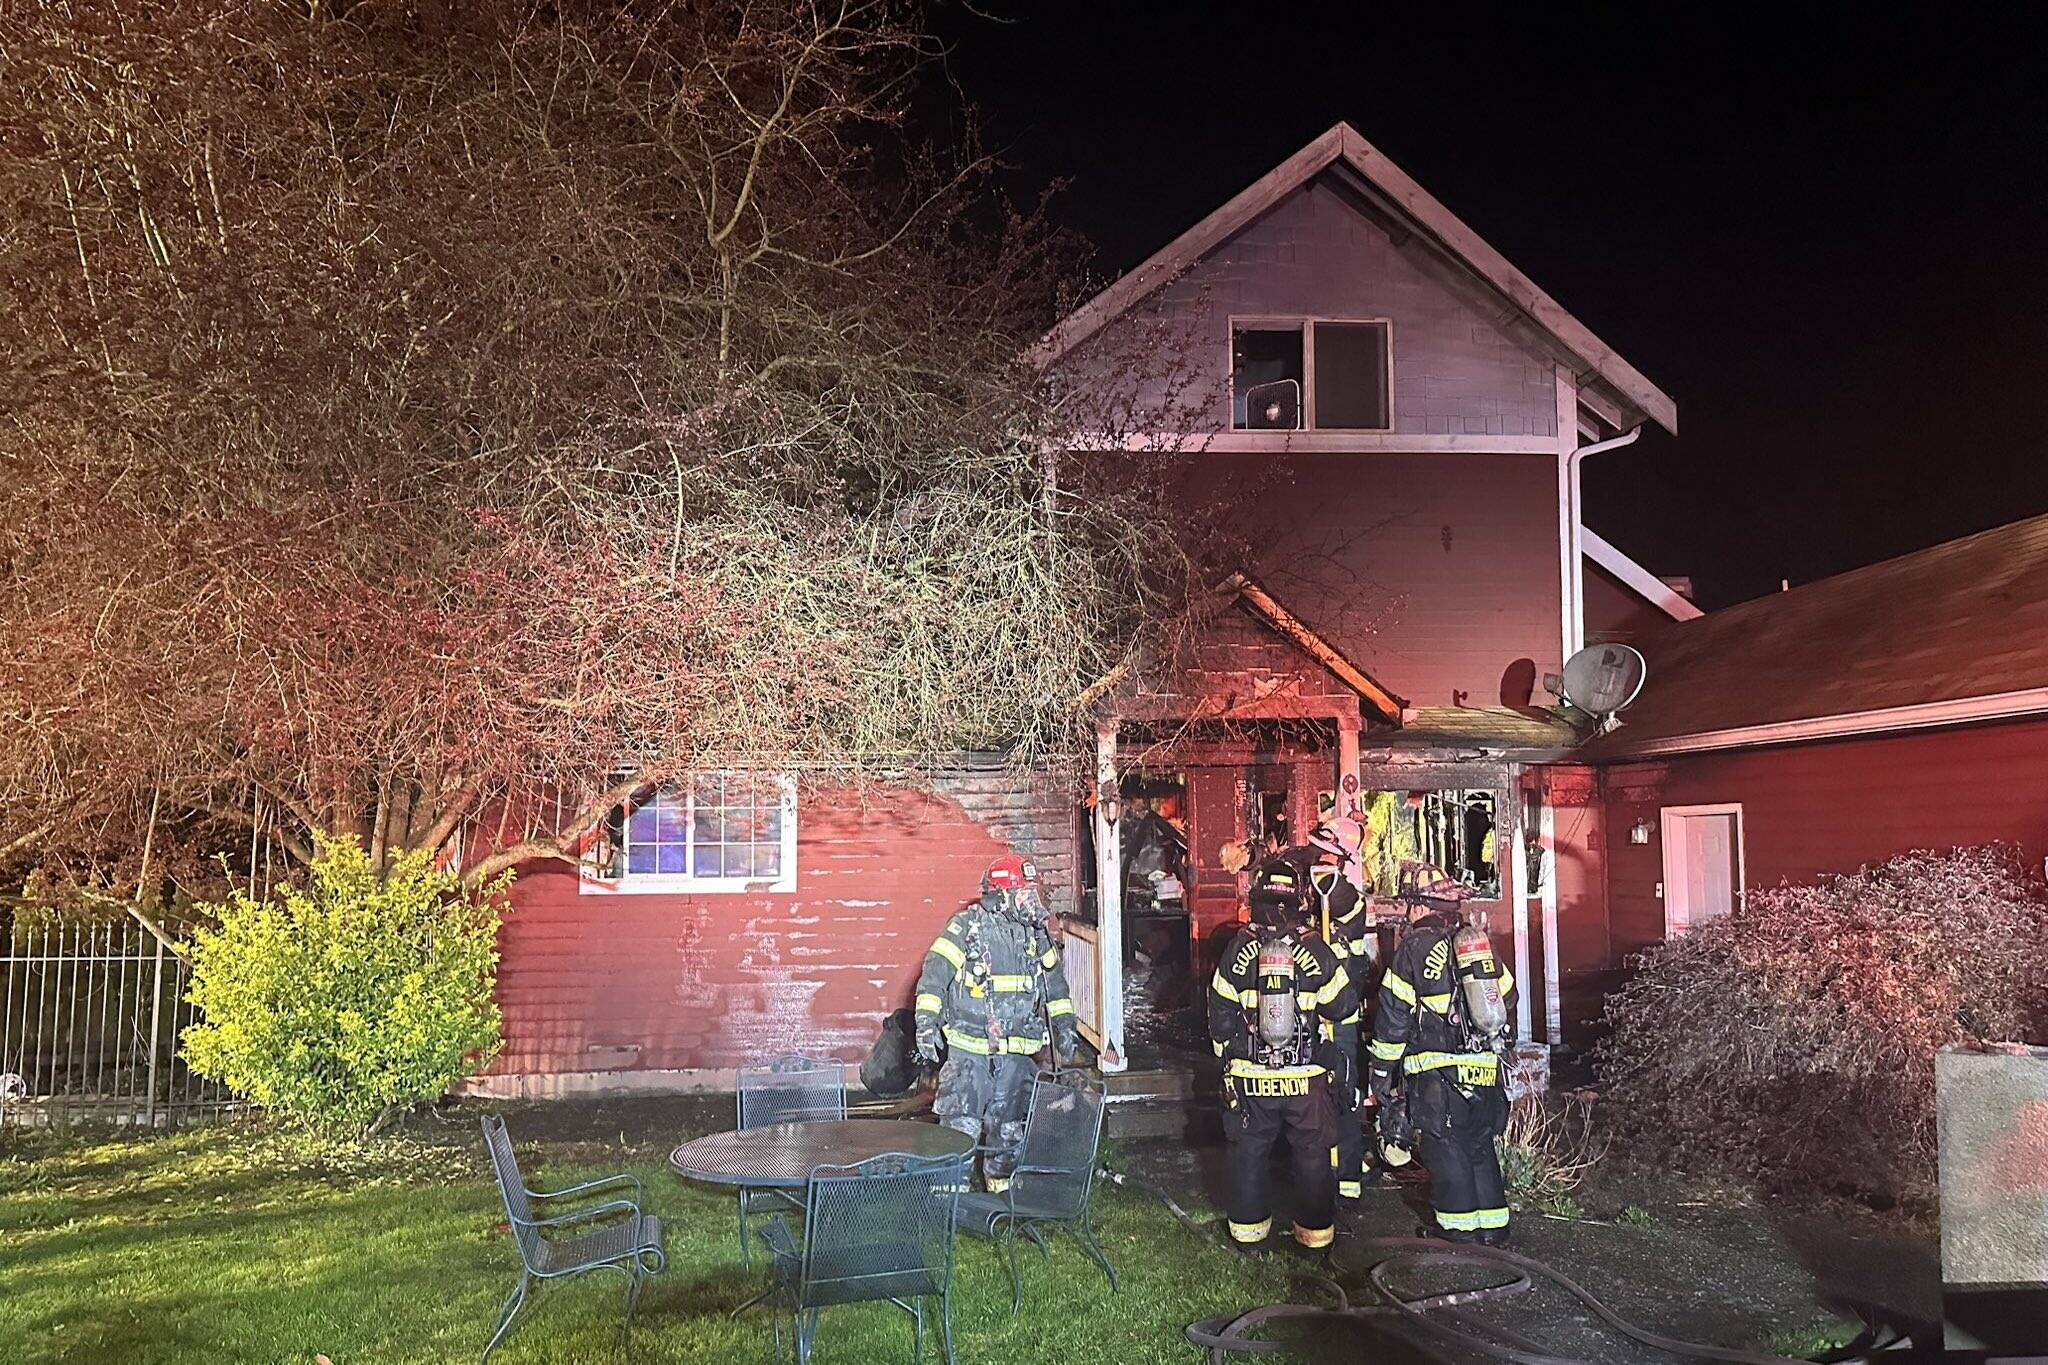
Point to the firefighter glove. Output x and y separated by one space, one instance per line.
1383 1085
928 1046
1397 1135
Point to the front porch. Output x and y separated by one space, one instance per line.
1467 788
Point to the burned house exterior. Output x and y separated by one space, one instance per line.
1393 416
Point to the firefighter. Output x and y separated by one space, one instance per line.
1329 867
1281 1009
992 985
1439 1030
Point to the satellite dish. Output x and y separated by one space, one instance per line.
1602 679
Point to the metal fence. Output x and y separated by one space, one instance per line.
90 1016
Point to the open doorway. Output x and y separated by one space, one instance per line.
1158 966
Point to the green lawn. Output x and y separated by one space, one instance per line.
225 1244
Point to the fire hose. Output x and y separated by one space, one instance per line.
1230 1334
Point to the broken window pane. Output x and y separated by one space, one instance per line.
1351 376
1265 378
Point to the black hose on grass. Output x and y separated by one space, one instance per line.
1221 1336
1227 1335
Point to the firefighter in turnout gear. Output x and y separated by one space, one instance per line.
1439 1032
1331 874
992 985
1281 1012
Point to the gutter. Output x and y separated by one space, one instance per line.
1926 715
1571 544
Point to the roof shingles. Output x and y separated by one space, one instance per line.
1964 619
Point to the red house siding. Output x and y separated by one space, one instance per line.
1615 611
613 982
1432 572
1809 809
1579 862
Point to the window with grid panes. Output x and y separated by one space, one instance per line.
715 832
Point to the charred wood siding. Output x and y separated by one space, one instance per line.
595 982
1810 809
1034 812
1240 665
1579 862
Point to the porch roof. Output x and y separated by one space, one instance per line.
1442 733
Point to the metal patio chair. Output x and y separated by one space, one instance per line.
790 1089
617 1234
1054 1182
878 1231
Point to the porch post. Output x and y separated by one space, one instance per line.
1508 826
1553 999
1347 765
1109 901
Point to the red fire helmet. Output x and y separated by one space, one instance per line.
1010 873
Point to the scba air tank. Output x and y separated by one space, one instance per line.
1479 977
1278 1015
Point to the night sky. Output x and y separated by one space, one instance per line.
1829 245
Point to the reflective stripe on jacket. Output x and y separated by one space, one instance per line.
1416 1022
990 984
1323 993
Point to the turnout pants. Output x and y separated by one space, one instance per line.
988 1098
1457 1126
1259 1110
1344 1098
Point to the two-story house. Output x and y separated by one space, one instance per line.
1394 418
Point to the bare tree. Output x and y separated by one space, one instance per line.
413 414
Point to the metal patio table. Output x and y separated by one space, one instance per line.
783 1155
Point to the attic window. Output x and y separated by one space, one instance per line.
1315 374
1265 378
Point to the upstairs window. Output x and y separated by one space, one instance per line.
1266 378
715 832
1315 374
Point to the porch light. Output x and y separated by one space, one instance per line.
1639 832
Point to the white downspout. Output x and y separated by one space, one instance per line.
1572 578
1573 550
1109 903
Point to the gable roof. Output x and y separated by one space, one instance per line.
1388 187
1954 633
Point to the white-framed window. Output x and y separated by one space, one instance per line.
714 832
1311 374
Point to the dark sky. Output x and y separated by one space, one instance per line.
1830 245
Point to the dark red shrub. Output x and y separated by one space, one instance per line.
1795 1039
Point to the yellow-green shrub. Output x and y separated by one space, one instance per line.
345 1000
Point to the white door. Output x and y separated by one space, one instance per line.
1702 864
